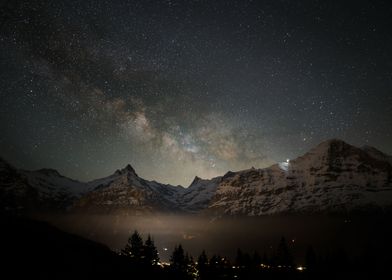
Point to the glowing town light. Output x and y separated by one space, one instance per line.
287 160
301 268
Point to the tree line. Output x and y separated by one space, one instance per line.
143 257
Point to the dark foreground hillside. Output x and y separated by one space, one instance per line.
36 250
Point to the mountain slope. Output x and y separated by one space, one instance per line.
39 190
37 250
199 194
126 192
334 176
54 190
15 192
47 189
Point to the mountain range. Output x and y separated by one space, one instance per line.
332 177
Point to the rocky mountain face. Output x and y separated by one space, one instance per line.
40 190
126 193
198 195
332 177
15 193
46 189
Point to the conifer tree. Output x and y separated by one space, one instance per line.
265 260
256 259
190 265
239 259
284 257
202 264
150 252
202 261
178 261
310 259
134 248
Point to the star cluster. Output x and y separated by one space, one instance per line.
186 88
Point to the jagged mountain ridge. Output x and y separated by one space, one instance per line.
38 190
47 189
126 192
334 176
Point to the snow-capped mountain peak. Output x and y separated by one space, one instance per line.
128 169
49 172
195 182
333 176
377 154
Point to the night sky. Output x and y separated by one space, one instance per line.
185 88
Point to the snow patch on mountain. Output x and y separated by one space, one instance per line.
199 193
334 176
125 191
50 183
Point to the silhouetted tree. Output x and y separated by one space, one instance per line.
127 249
310 259
214 261
340 260
216 267
134 248
190 266
243 259
265 260
283 255
150 252
239 259
182 266
202 265
177 260
256 259
247 260
202 261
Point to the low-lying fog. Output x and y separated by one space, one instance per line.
356 235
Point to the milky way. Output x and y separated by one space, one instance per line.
185 88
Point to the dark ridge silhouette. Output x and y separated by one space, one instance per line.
37 250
